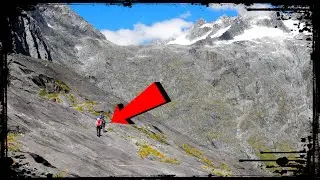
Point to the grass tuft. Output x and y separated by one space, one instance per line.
257 145
222 170
78 108
146 151
160 137
43 93
86 106
72 98
63 86
13 144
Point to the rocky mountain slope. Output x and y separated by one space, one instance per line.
237 85
51 118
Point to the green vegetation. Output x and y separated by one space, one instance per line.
13 144
55 95
89 105
72 98
85 106
198 154
160 137
224 166
78 107
285 147
110 129
145 150
257 144
43 93
65 88
222 170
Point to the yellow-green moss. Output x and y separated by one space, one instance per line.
285 147
192 151
86 106
160 137
95 113
89 106
224 166
222 170
43 93
78 108
198 154
63 86
110 129
170 160
13 144
145 150
72 98
257 144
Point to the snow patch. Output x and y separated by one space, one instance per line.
219 21
220 32
257 32
263 17
290 25
182 40
206 25
295 30
50 26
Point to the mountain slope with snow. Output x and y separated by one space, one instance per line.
238 85
240 29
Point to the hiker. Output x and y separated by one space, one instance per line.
103 127
99 126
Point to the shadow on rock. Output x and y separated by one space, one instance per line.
41 160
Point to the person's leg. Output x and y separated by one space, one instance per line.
97 130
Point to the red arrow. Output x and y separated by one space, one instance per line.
152 97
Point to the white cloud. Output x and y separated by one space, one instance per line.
241 8
185 15
163 30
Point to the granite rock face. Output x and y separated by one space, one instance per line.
234 90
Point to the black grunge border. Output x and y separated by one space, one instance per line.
9 10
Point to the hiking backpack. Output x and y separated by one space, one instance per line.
98 122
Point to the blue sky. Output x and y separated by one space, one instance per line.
114 17
147 22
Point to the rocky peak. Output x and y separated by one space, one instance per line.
200 22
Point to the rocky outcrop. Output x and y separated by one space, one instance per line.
28 39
